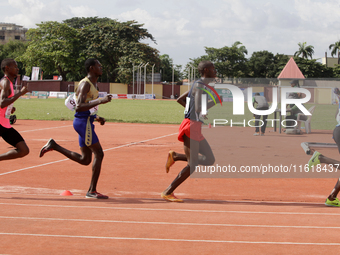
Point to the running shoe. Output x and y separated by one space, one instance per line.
262 134
96 195
314 160
335 202
46 148
170 161
171 198
257 133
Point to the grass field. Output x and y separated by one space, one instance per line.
152 111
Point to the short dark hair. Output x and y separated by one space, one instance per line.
90 62
204 64
257 94
6 62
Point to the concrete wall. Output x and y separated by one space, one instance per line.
157 90
323 96
118 88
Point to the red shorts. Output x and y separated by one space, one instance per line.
191 129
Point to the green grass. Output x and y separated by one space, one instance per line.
152 111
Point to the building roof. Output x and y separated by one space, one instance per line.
291 71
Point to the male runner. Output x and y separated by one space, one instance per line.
86 93
9 134
318 158
196 148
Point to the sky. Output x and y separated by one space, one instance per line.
183 28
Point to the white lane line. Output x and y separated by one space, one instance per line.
169 240
33 130
168 223
170 209
114 148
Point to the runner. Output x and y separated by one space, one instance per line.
196 147
318 158
9 134
86 93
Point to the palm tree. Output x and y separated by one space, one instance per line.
242 49
336 48
305 50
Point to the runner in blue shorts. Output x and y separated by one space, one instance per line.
86 102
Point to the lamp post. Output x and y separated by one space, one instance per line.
138 73
152 77
145 78
173 78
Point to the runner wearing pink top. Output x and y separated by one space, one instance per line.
7 98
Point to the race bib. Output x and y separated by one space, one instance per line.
70 102
187 105
94 110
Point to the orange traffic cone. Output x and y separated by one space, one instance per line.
66 193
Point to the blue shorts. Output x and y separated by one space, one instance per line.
85 129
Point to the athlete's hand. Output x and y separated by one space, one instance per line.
23 90
101 120
106 99
13 110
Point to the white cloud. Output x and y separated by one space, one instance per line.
82 11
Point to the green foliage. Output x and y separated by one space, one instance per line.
62 48
13 49
313 69
305 50
116 44
335 47
166 65
55 48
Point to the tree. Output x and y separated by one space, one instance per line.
13 49
335 47
313 69
305 50
63 47
116 44
166 67
55 48
230 62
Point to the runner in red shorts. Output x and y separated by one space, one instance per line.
197 149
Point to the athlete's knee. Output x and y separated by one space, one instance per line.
210 160
99 154
22 150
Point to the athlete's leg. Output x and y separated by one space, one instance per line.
84 158
206 156
191 149
20 151
96 165
12 137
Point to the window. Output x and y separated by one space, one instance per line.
3 28
2 37
17 37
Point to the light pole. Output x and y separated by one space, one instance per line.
138 73
145 78
152 78
173 77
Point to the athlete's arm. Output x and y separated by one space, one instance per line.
5 87
182 100
82 91
198 96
